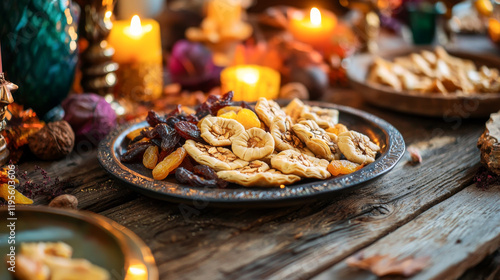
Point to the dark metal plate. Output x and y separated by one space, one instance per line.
140 179
93 237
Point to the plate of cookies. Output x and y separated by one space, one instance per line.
269 153
429 81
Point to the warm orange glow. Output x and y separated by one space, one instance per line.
250 82
248 75
135 26
137 272
137 45
315 29
315 16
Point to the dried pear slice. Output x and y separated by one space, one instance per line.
216 157
257 174
294 109
218 131
293 162
285 138
320 142
357 147
253 144
324 117
267 110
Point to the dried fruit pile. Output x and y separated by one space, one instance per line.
267 146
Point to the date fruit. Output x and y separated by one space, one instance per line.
188 131
154 119
202 176
135 152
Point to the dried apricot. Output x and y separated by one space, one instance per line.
342 167
150 158
248 118
337 129
168 164
7 193
228 109
228 115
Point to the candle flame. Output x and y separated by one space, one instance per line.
108 14
135 26
315 16
250 77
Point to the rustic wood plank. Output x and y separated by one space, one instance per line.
455 235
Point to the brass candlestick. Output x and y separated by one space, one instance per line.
98 70
5 99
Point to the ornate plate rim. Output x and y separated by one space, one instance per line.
183 193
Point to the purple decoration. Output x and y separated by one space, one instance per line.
90 116
191 65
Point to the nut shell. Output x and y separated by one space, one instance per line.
53 141
294 90
66 201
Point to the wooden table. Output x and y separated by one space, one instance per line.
430 210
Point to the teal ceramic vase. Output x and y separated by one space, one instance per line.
39 49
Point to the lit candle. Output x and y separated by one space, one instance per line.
138 51
249 82
316 29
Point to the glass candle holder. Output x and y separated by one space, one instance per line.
138 51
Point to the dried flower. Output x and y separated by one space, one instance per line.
47 187
485 178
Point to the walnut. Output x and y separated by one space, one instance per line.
294 90
53 141
66 201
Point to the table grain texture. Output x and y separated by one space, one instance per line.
430 210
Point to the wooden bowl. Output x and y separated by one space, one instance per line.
433 105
